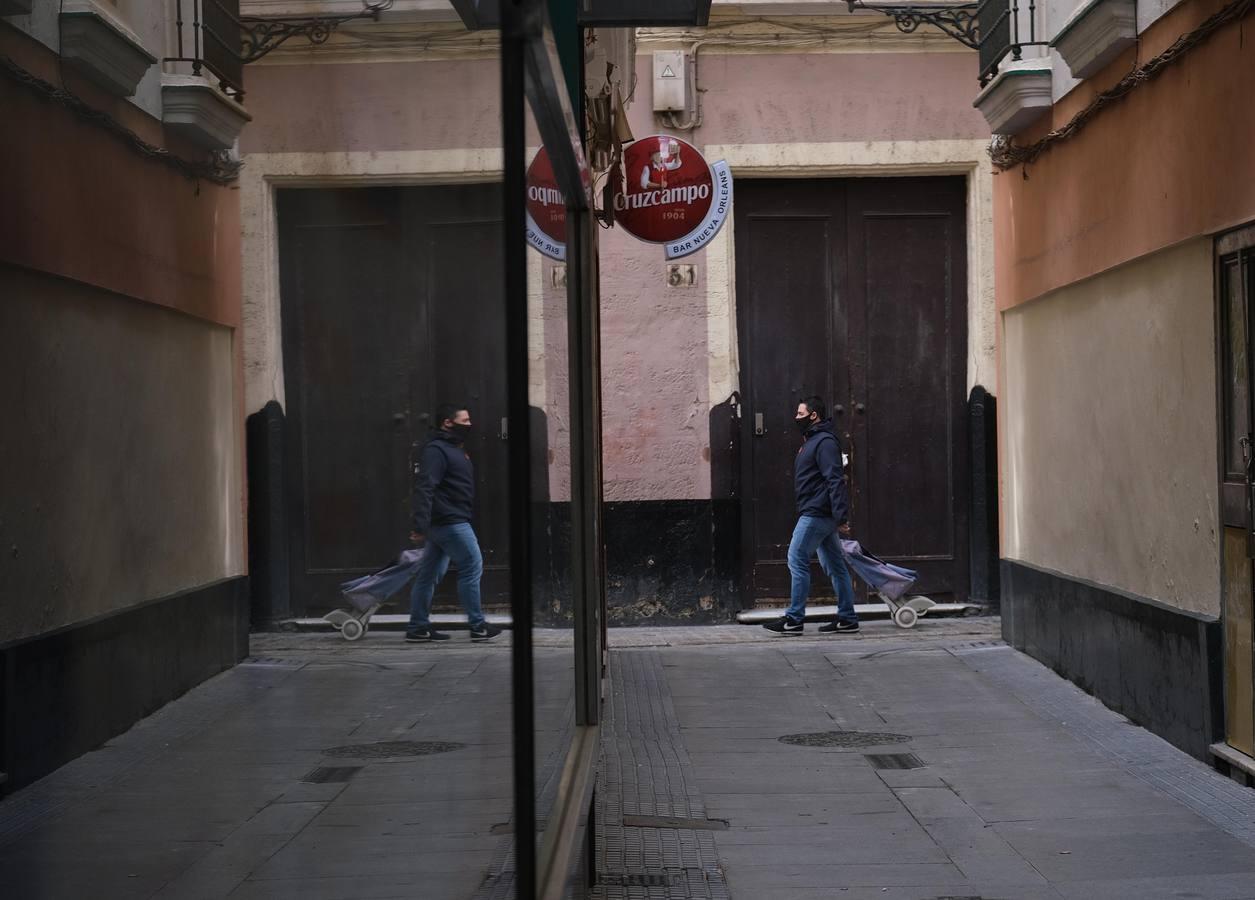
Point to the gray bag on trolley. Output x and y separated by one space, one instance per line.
882 577
369 591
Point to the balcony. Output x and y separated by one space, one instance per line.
1004 32
208 38
1015 91
203 87
97 42
1095 34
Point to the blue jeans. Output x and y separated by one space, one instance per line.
448 543
818 535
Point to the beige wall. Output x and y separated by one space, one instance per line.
119 455
1109 430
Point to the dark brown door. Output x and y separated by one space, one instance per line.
391 303
1235 280
856 290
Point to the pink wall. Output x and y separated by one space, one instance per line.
438 105
654 356
654 376
822 97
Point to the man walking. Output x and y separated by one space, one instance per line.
823 509
444 495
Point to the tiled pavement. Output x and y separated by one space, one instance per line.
1027 788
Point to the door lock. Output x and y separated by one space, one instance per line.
759 431
505 429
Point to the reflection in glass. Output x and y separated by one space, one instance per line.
553 614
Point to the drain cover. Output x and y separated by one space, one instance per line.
894 761
390 749
849 739
641 879
672 822
331 774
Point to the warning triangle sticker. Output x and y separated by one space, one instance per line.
667 72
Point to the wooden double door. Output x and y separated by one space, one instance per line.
392 302
856 290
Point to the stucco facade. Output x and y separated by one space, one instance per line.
1104 474
1106 249
851 108
122 495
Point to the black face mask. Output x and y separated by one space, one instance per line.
459 431
803 425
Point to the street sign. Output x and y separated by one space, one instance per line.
671 195
546 209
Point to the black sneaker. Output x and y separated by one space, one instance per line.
484 632
785 626
839 627
424 636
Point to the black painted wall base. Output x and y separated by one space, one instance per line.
672 562
1161 667
68 692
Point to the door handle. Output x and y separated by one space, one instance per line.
860 408
839 409
759 431
398 418
505 429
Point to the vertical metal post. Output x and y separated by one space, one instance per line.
583 343
178 24
197 48
1015 29
513 137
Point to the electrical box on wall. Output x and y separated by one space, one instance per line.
670 81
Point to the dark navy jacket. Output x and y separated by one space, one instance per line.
444 483
819 476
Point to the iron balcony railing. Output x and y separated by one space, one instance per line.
1004 30
209 37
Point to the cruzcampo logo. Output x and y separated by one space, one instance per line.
671 195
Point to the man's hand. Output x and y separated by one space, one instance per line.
417 539
844 528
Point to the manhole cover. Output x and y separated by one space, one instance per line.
390 749
844 739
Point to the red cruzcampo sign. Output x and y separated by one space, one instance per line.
671 196
546 209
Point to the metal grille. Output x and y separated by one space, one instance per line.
207 35
993 19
